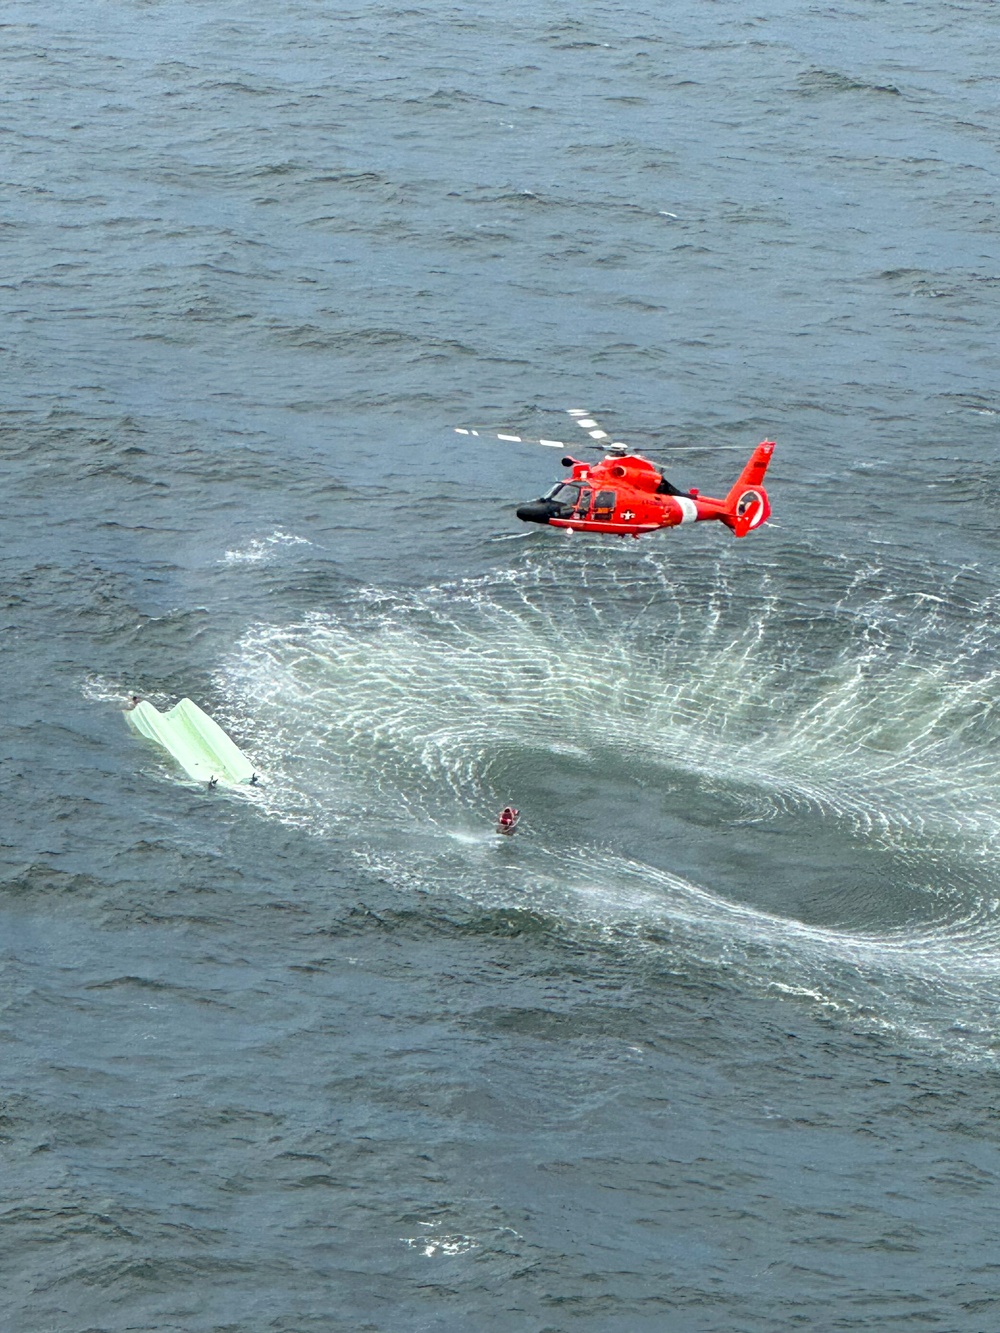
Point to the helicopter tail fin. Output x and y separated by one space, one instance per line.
747 505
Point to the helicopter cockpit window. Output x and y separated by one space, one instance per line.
564 494
604 505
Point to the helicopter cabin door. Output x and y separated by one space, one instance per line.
583 508
604 506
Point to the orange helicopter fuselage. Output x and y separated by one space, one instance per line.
626 496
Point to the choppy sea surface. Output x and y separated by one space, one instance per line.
713 1044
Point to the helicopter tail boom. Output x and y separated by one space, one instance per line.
747 505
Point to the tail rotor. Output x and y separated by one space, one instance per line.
747 505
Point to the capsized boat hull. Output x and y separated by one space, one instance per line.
198 743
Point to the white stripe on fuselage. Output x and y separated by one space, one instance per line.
689 510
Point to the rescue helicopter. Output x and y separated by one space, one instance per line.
627 496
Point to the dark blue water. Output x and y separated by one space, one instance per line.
712 1043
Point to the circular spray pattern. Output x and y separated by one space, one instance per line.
802 797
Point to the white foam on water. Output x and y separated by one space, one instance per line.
260 550
100 689
406 717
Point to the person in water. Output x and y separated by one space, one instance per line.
507 819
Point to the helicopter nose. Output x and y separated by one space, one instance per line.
538 511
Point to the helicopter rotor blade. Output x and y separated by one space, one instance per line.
513 439
508 437
586 422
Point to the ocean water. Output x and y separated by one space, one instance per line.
713 1043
